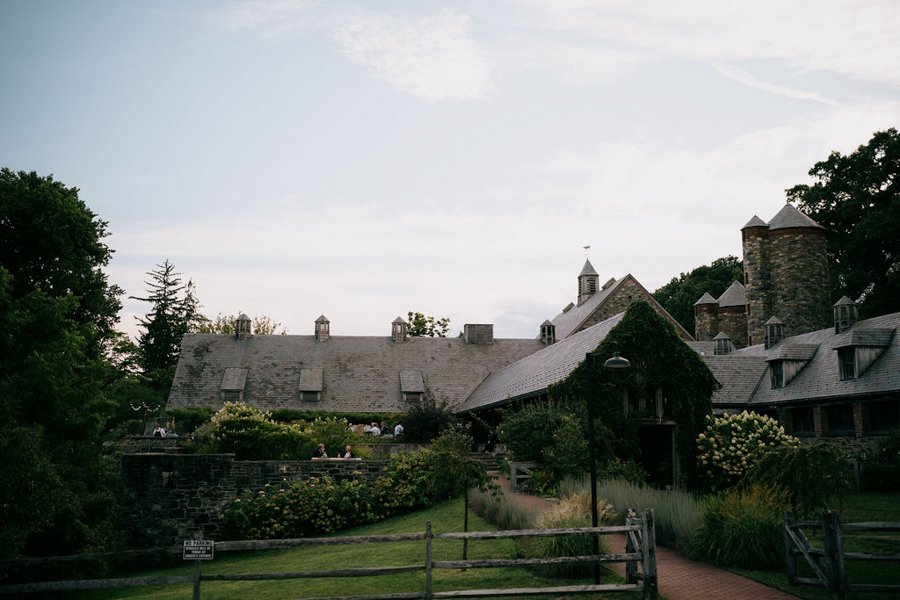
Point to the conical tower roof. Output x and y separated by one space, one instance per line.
790 217
587 269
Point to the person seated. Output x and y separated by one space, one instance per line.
398 430
375 429
347 453
320 452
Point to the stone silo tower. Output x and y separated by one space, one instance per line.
786 274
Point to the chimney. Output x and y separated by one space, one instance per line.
399 329
481 334
242 327
323 329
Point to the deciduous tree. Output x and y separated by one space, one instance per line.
421 325
856 198
679 295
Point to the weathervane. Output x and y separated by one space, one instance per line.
587 250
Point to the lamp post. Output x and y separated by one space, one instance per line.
615 363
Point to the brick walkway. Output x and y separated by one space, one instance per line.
679 578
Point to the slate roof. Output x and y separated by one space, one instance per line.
357 374
587 269
735 295
533 374
789 217
706 298
755 222
820 378
572 319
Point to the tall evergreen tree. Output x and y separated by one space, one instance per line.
173 311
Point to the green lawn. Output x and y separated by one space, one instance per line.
444 518
857 507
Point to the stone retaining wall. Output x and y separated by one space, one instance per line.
167 498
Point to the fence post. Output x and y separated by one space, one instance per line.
630 566
648 531
790 558
428 565
834 551
196 595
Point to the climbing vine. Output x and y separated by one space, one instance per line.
659 360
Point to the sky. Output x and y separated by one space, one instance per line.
295 158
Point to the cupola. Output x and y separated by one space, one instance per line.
242 329
774 331
588 282
723 344
845 314
399 330
323 329
548 332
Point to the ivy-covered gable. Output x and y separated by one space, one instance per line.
663 369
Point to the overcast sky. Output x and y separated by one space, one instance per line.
361 159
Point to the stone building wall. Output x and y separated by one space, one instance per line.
799 278
706 322
756 280
167 498
733 321
628 291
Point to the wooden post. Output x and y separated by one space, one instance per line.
790 558
651 586
834 551
428 564
630 566
196 595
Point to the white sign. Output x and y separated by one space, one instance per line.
198 549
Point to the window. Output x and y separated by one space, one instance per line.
232 395
882 416
847 362
307 396
838 419
802 423
776 371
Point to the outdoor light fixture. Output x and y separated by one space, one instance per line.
616 363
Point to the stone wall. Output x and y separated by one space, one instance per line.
799 268
167 498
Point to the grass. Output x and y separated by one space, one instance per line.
856 507
445 517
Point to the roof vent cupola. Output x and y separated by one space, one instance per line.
242 329
774 331
399 330
846 314
588 282
323 329
548 332
723 344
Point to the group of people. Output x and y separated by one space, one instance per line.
320 452
378 429
160 432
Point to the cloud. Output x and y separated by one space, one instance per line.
837 36
431 57
273 17
745 78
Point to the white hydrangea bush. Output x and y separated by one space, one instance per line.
732 444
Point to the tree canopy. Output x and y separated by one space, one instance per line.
856 198
224 324
679 295
58 312
421 325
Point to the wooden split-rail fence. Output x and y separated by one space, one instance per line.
639 558
829 562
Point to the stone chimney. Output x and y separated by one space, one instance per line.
323 329
478 334
399 330
242 328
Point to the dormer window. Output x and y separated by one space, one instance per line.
845 314
310 384
776 372
847 363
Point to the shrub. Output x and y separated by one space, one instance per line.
425 419
407 483
742 528
308 507
676 512
889 447
251 435
813 475
732 444
571 511
332 432
621 470
188 419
